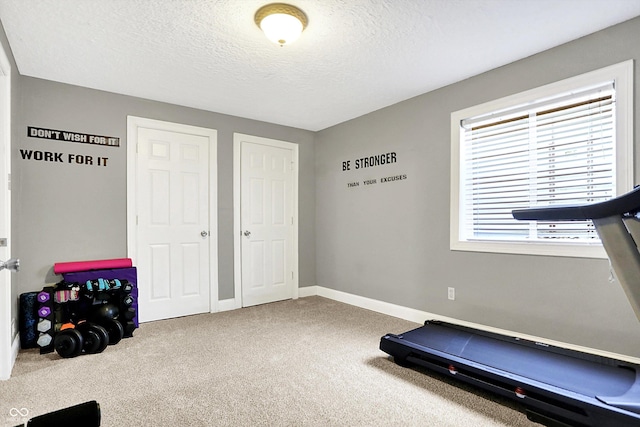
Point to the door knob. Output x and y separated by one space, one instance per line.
13 264
247 233
204 233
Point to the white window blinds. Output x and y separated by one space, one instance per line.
553 152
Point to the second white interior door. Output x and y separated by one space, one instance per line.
267 223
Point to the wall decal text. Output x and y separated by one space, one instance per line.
61 135
76 159
370 161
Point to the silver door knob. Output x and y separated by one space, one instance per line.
247 233
12 264
204 233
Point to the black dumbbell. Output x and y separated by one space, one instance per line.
128 300
68 343
127 286
128 314
114 329
96 338
129 328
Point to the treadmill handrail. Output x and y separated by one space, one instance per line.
620 205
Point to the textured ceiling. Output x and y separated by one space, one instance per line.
355 56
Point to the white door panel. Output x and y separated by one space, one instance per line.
8 298
267 206
173 212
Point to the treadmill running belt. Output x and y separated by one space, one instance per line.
560 370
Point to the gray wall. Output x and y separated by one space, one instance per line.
66 212
390 241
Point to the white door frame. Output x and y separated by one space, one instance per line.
237 240
133 123
9 337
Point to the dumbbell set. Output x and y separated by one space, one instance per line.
75 319
46 321
86 337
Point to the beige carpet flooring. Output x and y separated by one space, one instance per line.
305 362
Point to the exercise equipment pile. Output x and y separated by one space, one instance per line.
95 305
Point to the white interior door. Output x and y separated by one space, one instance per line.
6 321
267 222
8 308
172 230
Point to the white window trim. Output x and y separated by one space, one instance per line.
622 75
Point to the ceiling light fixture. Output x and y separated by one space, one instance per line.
281 23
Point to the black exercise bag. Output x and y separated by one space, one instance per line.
83 415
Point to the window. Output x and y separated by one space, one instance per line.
566 143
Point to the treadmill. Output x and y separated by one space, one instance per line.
556 386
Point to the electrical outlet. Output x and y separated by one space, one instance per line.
451 292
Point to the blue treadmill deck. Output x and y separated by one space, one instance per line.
557 386
559 370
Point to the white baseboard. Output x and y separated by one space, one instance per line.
227 304
307 291
418 316
15 349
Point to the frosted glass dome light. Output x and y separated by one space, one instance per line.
281 23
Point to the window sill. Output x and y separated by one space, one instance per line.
532 248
